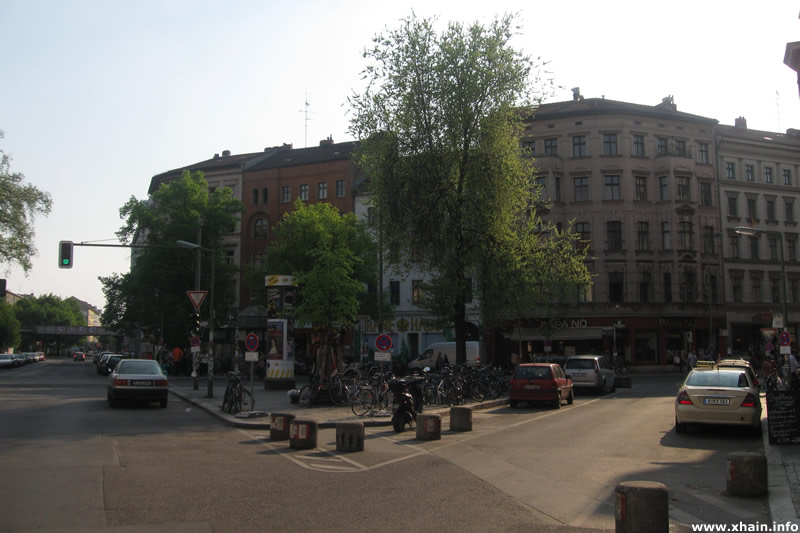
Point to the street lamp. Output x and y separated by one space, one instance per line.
193 246
746 230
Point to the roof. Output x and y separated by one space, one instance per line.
305 156
601 106
745 134
215 163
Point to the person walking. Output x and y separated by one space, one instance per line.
692 359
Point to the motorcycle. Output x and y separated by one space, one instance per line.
407 402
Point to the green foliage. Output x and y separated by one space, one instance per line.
9 327
48 310
154 291
19 205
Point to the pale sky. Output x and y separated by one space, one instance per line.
98 96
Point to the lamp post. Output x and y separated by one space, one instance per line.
744 230
193 246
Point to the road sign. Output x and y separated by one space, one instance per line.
195 341
197 298
786 338
383 357
769 347
251 342
383 343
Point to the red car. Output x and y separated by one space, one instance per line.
79 356
541 382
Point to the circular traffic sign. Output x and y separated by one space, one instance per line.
251 342
383 343
195 341
786 338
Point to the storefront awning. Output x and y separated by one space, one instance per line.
566 334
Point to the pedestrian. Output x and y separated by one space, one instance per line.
514 360
692 359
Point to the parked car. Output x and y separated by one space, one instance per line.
7 360
540 382
445 352
137 380
79 356
591 372
30 357
40 356
718 396
19 359
739 364
108 364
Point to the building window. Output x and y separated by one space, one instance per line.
754 247
749 173
789 208
756 285
688 286
416 291
683 189
614 230
730 171
551 146
666 238
616 287
264 195
734 246
394 292
579 148
705 195
794 285
304 192
736 285
642 235
581 189
772 244
787 176
771 210
732 206
612 188
751 208
286 194
229 260
644 288
663 188
255 196
638 145
662 146
558 190
791 246
667 287
708 240
775 290
339 188
686 236
582 229
260 228
641 188
610 144
702 153
767 174
529 148
322 190
680 148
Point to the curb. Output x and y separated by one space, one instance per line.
779 494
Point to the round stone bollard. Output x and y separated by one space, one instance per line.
303 434
642 507
461 419
279 426
429 427
349 436
747 474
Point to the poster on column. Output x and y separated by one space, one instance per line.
279 357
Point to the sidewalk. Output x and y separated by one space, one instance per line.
783 461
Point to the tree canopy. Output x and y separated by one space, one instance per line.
441 120
153 293
48 310
20 203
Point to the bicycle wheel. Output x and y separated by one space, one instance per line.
479 390
338 392
363 402
247 401
227 402
307 396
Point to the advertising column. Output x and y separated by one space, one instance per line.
280 327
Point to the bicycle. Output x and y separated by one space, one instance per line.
309 394
371 396
236 396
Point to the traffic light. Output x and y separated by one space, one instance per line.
65 254
196 323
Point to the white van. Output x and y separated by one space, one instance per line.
447 351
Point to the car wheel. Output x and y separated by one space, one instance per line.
163 403
679 428
557 401
571 397
513 404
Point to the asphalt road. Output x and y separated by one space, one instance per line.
69 462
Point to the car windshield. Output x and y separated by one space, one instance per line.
533 372
707 378
5 356
581 364
138 367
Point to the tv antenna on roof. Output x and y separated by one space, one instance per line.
305 111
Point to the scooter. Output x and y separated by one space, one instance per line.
406 404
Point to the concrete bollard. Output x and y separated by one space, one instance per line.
350 437
747 474
429 427
642 507
303 434
279 426
461 419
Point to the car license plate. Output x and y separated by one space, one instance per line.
531 386
141 382
716 401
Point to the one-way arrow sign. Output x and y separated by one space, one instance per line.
197 298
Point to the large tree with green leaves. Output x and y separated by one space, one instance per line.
440 120
153 293
49 310
332 257
20 203
9 327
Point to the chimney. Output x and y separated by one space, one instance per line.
576 94
216 156
668 102
226 153
327 141
740 122
286 146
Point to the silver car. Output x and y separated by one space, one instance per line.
138 380
591 372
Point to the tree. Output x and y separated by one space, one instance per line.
9 327
152 295
440 120
48 310
20 203
332 258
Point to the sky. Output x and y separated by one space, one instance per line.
98 96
